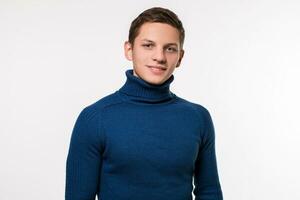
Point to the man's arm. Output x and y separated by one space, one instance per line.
84 158
206 179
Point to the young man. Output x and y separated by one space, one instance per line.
143 141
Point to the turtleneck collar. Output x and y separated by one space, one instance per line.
139 90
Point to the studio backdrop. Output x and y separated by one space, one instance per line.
241 62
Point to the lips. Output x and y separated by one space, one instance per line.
157 70
157 67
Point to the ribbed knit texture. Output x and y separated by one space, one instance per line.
142 142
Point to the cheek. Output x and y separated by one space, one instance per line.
173 58
140 57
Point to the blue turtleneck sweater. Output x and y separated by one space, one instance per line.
142 142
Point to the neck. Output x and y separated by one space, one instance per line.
138 90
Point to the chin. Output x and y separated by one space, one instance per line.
155 80
151 78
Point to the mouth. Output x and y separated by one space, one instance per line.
157 67
157 70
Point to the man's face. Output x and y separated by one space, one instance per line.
156 52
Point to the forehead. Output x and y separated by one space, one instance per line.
158 32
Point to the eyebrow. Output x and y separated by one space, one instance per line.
154 42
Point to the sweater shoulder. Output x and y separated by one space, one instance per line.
198 108
202 114
96 108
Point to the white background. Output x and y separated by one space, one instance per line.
241 62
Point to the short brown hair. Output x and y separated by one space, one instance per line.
156 14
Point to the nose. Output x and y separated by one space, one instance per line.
159 55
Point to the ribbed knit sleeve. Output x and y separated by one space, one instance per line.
206 179
84 157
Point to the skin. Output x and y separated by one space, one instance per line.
152 48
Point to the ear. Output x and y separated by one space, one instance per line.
128 50
180 58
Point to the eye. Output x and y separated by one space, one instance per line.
171 49
147 45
